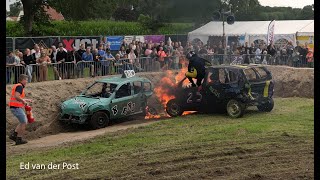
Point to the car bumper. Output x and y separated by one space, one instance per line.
73 118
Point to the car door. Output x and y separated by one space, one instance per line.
215 87
139 100
122 104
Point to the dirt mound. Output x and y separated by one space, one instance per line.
47 96
293 82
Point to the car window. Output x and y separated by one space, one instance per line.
263 74
250 74
100 89
213 76
123 91
146 87
222 76
137 87
232 77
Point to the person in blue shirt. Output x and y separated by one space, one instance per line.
107 58
86 57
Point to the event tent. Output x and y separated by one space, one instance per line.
253 30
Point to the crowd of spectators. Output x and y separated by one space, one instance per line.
141 56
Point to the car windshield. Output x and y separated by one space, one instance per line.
100 89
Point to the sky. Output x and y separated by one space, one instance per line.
272 3
286 3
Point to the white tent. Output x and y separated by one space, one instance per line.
307 30
253 30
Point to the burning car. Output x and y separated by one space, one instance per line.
108 99
225 88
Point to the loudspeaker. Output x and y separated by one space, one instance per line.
230 19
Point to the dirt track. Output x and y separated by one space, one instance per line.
48 95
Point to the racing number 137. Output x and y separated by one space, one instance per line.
190 96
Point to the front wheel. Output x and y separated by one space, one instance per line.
99 120
173 108
235 108
266 106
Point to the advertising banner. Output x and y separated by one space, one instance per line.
139 38
70 42
306 39
128 39
154 38
271 32
115 42
46 42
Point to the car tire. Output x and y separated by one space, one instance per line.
267 106
173 108
235 108
99 120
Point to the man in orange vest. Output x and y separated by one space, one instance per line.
17 104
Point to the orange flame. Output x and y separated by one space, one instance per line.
166 86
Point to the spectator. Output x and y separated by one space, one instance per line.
310 58
61 58
122 51
36 54
258 54
303 55
74 58
10 62
97 63
106 62
86 58
132 56
161 55
176 59
148 51
264 57
43 68
283 57
271 50
81 50
28 59
18 67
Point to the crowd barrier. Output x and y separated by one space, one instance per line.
81 69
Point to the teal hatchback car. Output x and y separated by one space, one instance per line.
108 99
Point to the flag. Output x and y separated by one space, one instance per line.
270 34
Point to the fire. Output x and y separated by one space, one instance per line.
166 87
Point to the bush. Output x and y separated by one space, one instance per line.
96 28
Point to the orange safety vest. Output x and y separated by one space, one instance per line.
13 101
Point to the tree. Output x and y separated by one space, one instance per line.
124 14
307 12
15 9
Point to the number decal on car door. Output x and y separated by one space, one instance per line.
198 95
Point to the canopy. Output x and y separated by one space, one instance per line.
251 28
307 30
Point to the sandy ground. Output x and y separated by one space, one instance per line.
47 96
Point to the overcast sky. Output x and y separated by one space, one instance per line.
286 3
291 3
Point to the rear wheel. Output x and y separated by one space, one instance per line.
235 108
99 120
266 106
173 108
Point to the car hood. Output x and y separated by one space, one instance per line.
80 104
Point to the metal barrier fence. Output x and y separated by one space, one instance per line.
71 70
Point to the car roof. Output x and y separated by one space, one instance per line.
241 66
120 80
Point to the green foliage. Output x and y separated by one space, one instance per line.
95 28
172 142
149 23
124 14
15 8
